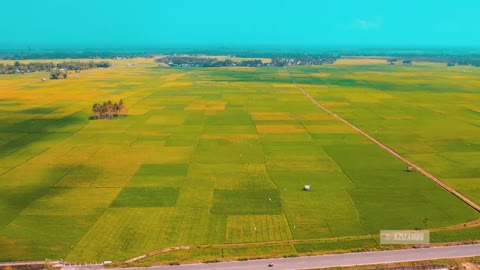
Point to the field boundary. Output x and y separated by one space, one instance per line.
18 84
155 252
451 190
474 223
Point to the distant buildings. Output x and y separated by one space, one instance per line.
193 61
303 60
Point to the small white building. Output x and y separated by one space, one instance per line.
307 187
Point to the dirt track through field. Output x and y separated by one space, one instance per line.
386 148
12 85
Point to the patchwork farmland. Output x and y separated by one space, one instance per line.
217 158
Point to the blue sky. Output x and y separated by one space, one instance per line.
300 23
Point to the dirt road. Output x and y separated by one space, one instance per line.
388 149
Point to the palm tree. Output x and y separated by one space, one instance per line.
96 110
110 109
103 111
122 108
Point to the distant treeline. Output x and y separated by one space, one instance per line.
302 60
432 54
18 67
150 53
57 74
193 61
450 62
8 55
392 61
467 62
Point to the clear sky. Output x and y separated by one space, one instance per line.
300 23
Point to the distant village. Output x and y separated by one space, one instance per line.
193 61
302 60
450 62
20 68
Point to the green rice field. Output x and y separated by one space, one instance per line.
217 158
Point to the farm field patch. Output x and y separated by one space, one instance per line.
220 156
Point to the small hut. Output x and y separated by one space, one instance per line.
306 187
44 79
410 169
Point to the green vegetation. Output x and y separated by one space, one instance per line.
190 61
246 202
109 110
216 159
146 197
279 61
58 74
58 70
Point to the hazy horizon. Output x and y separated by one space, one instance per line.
54 24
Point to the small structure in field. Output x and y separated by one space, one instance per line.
410 169
44 79
306 187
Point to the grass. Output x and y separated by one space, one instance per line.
226 151
246 202
359 245
135 230
72 201
212 157
156 175
146 197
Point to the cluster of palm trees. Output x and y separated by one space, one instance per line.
108 110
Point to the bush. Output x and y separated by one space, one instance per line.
58 74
